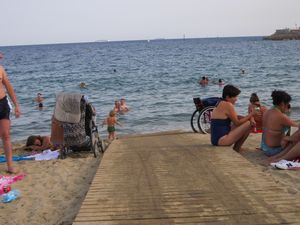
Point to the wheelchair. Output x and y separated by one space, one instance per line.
200 120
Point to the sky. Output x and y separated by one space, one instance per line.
26 22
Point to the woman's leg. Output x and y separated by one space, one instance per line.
277 157
238 144
290 146
236 136
5 135
291 154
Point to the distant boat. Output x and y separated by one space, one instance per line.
158 39
102 41
285 34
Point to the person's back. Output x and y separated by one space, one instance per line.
276 123
111 121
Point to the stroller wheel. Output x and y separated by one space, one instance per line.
96 150
97 146
102 146
63 153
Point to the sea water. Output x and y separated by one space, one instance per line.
158 78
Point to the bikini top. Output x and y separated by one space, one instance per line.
283 130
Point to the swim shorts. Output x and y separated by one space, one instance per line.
111 129
269 151
4 109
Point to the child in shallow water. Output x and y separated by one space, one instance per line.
111 121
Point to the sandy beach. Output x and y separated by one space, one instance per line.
52 191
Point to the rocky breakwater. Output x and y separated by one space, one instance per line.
284 34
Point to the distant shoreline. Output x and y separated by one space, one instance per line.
284 34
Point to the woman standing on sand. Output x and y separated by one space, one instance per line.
222 133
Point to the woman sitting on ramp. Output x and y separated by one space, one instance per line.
227 127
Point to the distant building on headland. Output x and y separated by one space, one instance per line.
285 34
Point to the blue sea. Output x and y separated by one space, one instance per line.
158 78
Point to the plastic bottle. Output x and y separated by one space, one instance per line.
10 196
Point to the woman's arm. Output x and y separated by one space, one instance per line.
286 121
234 117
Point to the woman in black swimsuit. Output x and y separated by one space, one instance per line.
222 133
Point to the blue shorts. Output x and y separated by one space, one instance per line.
4 109
269 151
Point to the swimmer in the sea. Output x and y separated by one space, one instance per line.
39 99
82 85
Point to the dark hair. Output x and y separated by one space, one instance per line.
280 97
203 78
230 91
31 139
254 98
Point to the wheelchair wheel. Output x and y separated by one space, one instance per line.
204 119
194 119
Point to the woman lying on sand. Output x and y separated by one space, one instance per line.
38 143
222 133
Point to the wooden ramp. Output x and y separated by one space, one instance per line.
180 178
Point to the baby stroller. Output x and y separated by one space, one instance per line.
74 125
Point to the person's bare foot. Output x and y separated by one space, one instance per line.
12 170
267 162
239 150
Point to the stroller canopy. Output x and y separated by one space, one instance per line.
67 108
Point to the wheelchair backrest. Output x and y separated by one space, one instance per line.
212 101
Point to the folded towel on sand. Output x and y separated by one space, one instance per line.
67 108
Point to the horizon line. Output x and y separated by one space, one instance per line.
128 40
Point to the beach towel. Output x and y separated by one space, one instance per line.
14 158
45 155
8 180
67 108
